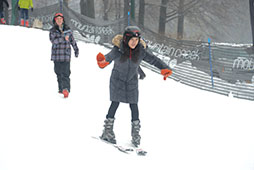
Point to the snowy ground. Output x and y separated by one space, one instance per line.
183 128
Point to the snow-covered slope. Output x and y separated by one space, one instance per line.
182 127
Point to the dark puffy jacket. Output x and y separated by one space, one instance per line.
124 76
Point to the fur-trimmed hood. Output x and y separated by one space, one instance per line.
118 39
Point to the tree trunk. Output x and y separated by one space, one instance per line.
162 20
105 9
180 25
126 11
119 10
141 17
252 19
133 9
91 10
82 5
15 13
66 3
87 8
6 13
126 7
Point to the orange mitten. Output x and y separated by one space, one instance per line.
100 57
101 60
166 73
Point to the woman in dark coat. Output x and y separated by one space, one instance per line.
128 52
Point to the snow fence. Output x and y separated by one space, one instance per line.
226 69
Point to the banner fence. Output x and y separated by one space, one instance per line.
232 64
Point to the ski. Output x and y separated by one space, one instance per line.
119 147
126 150
141 152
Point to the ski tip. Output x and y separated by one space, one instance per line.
95 137
141 152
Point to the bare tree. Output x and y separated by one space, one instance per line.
126 10
15 13
118 9
171 10
185 8
66 2
6 13
141 17
105 9
163 16
82 5
180 20
132 9
87 8
126 7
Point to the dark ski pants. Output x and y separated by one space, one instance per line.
24 13
114 105
62 70
1 14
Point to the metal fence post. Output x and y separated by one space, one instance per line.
61 5
210 60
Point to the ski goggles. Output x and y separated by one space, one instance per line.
58 15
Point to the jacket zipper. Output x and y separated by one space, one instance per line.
128 76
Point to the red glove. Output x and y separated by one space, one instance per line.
101 60
166 73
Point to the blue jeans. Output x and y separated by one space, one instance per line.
24 13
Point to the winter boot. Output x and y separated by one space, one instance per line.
65 93
27 23
108 133
3 21
22 22
135 128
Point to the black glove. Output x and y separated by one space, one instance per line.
76 54
142 76
18 8
32 9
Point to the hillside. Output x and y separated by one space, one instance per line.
182 128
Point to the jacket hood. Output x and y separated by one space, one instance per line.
119 38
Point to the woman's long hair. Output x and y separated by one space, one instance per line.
133 54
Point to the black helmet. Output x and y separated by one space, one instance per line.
129 32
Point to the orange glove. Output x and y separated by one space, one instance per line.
166 73
101 60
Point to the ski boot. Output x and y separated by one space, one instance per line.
22 22
65 93
108 133
27 23
135 128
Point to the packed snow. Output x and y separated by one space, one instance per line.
182 128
